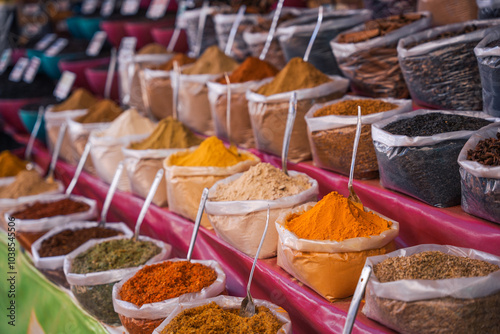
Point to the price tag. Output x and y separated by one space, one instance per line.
56 47
89 7
107 7
45 42
32 70
130 7
127 46
157 9
64 85
18 70
96 43
5 60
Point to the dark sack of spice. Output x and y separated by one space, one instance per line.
488 9
367 54
93 290
417 152
332 136
294 36
479 163
190 20
416 298
488 59
440 67
384 8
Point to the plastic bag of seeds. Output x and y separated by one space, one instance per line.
384 8
440 68
422 165
146 318
449 11
309 260
480 174
454 305
488 58
367 54
229 302
94 290
241 223
488 9
159 95
332 136
223 25
268 115
294 36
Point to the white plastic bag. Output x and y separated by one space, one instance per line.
488 9
223 24
190 19
241 223
228 302
7 204
159 94
268 115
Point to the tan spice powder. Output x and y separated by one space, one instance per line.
350 107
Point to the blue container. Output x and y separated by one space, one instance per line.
88 26
28 118
49 65
74 27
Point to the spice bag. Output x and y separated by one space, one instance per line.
384 8
189 20
159 97
331 138
52 266
422 167
223 25
372 65
229 302
241 223
106 154
456 305
53 122
241 127
7 204
330 268
488 60
146 318
480 183
193 104
443 74
488 9
185 184
268 115
294 36
94 290
449 11
141 167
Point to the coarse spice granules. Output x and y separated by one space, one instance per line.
433 265
350 107
166 280
62 207
486 152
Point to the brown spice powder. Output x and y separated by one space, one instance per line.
39 210
350 107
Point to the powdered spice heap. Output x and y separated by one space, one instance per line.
130 122
350 107
212 318
102 112
250 70
432 265
297 74
10 165
27 183
331 219
180 58
62 207
212 61
166 280
79 99
262 182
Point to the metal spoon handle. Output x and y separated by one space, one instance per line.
34 133
258 252
147 202
314 34
234 29
272 31
177 79
228 109
57 148
110 194
354 150
111 74
79 169
201 27
356 299
292 112
173 40
197 223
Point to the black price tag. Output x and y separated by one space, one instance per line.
18 70
5 60
130 7
64 85
157 9
32 70
45 42
56 47
96 43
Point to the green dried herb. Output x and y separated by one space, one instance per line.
97 300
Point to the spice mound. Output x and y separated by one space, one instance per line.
212 61
180 58
10 165
332 219
262 182
166 280
297 74
27 183
152 48
67 241
102 112
251 69
130 122
433 265
434 123
350 107
79 99
486 152
211 153
62 207
169 133
212 318
114 254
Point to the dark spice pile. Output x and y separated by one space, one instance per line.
212 318
67 241
62 207
479 196
446 34
41 86
486 152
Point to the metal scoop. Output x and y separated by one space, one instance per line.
292 112
356 299
110 194
314 34
79 169
55 154
353 199
228 110
34 133
197 223
270 35
234 29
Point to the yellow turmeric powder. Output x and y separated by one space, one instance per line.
331 219
10 165
79 99
102 112
211 152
